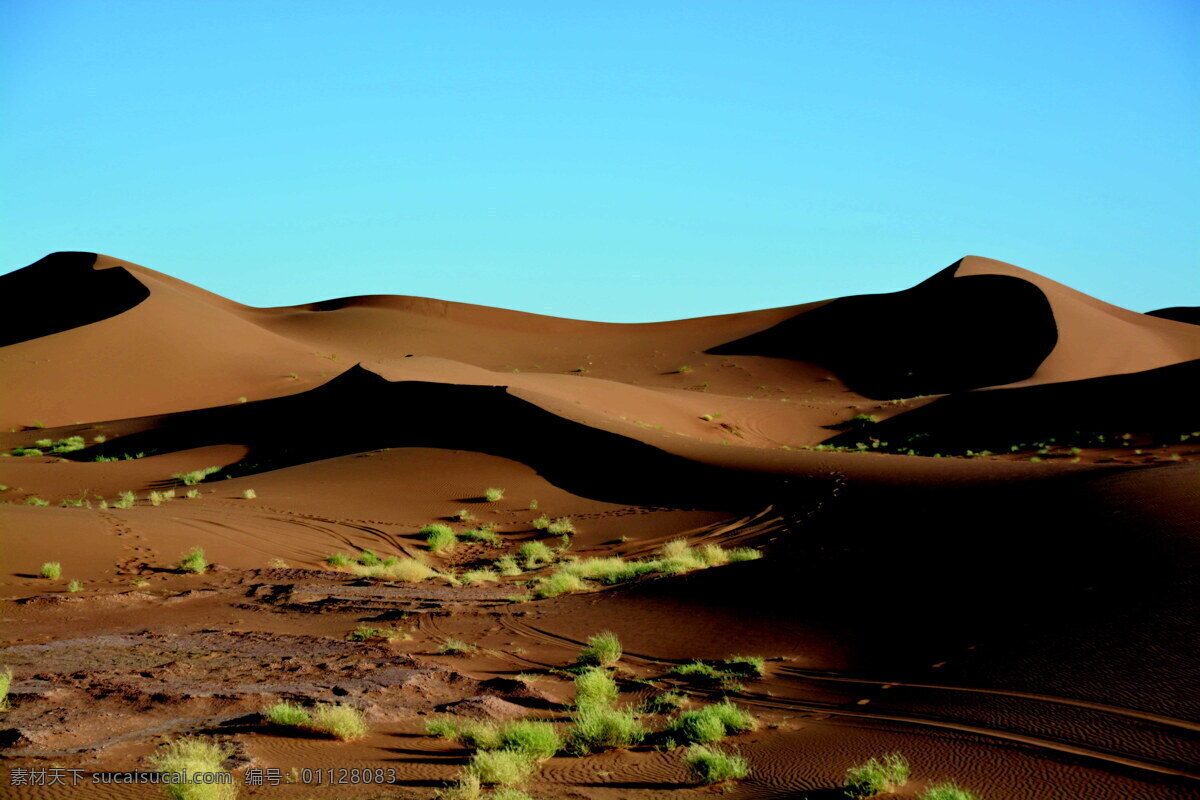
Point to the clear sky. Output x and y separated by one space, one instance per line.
605 160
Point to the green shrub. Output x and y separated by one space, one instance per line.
36 501
710 723
508 567
474 576
735 718
51 570
946 791
712 765
682 369
594 687
877 775
541 523
744 666
192 494
598 727
195 476
467 787
535 739
504 767
440 538
509 793
482 534
341 722
368 558
127 499
193 561
288 714
26 451
187 757
665 703
6 677
75 586
560 582
456 647
365 633
743 554
156 498
339 560
560 526
493 494
535 554
533 505
602 650
408 570
463 515
698 672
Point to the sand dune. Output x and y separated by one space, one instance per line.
973 503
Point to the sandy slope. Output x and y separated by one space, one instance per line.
989 615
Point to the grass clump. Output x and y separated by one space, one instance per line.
946 791
504 767
51 570
598 727
560 582
156 498
711 723
365 633
744 666
193 561
6 677
493 494
345 723
541 523
483 533
456 647
185 758
36 501
877 775
192 494
290 715
406 570
561 526
535 739
602 650
249 494
665 703
125 500
595 688
439 538
712 765
195 476
698 672
476 576
463 515
508 567
75 586
743 554
339 560
535 554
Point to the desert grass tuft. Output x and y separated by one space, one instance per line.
439 538
249 494
126 500
508 567
405 570
877 775
6 678
288 714
476 576
339 721
712 765
463 515
193 561
561 582
601 650
946 791
537 740
493 494
456 647
595 687
541 522
535 554
185 758
36 501
560 526
51 570
599 727
366 633
711 723
195 476
504 767
339 560
75 586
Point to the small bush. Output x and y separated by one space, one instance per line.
127 499
711 723
535 554
744 666
602 650
463 515
75 586
339 560
535 739
560 582
156 498
683 369
467 787
192 494
698 672
541 523
475 576
368 558
561 526
493 494
596 728
195 476
509 793
482 534
365 633
193 561
6 677
508 567
187 757
504 767
341 722
877 775
533 505
456 647
408 570
594 687
439 538
51 570
291 715
666 703
743 554
712 765
946 791
249 494
735 718
36 501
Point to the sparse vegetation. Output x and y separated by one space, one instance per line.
599 727
193 561
713 765
6 678
493 494
455 647
339 721
533 505
484 533
602 650
946 791
877 775
195 476
594 687
339 560
288 714
535 554
126 500
188 757
463 515
366 633
406 570
51 570
249 494
475 576
192 494
439 538
504 767
508 566
535 739
541 522
156 498
711 723
560 582
683 369
75 586
36 501
560 526
666 703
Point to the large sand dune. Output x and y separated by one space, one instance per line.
974 500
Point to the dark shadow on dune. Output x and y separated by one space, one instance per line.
944 335
62 292
1158 404
360 411
1188 314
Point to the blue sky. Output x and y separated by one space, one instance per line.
605 160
